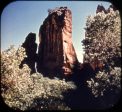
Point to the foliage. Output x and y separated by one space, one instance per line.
20 90
103 45
106 81
102 42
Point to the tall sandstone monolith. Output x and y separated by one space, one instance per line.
56 52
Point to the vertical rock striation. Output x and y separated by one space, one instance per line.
56 52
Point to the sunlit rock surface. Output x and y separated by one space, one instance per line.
56 52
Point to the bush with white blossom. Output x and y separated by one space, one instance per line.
20 90
103 45
102 38
106 81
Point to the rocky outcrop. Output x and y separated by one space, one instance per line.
56 53
30 49
101 8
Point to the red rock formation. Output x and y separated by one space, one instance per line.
100 8
56 52
30 49
111 7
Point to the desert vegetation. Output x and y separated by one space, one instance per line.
96 83
102 47
21 90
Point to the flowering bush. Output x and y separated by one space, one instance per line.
102 38
106 81
20 90
103 45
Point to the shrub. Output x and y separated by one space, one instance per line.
106 81
103 46
23 91
102 38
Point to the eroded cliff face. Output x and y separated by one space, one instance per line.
56 52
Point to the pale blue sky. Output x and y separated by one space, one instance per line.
21 17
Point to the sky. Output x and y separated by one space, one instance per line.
19 18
